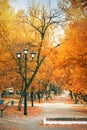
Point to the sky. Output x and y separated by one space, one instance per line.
19 4
23 4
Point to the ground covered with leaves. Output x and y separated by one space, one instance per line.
31 111
81 109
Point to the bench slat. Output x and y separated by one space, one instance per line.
3 107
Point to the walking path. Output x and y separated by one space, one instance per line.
62 106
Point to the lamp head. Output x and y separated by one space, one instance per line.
25 51
33 54
18 54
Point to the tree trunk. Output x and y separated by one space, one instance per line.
20 104
32 99
39 96
46 95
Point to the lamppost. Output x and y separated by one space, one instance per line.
25 74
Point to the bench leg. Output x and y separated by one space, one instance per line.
1 113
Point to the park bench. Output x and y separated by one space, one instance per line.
3 108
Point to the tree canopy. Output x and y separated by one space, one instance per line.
60 58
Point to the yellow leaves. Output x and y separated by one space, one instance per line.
62 63
76 13
20 13
69 60
81 5
6 12
77 29
6 19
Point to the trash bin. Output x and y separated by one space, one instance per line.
12 102
1 101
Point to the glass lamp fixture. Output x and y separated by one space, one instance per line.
25 51
18 54
32 54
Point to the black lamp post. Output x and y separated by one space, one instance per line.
25 74
25 93
39 92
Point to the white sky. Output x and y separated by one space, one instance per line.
22 4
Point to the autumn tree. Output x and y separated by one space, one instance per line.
6 19
79 57
35 31
77 9
40 20
68 62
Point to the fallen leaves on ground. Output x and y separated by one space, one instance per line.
82 109
31 111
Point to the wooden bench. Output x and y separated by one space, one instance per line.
3 107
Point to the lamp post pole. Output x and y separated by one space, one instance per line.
39 92
25 78
25 74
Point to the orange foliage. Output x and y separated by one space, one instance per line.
65 65
68 62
